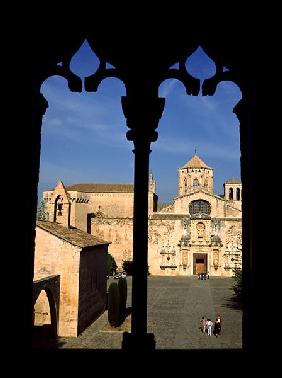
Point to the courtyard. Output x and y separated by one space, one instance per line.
175 307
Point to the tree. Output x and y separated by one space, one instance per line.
127 266
114 305
111 265
42 213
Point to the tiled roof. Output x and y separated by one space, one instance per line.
195 162
101 188
233 181
71 235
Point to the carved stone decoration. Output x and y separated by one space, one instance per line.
233 251
184 259
232 239
192 85
216 225
92 82
61 66
186 235
136 118
215 259
216 241
209 85
186 222
167 256
200 230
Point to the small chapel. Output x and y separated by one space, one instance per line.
198 232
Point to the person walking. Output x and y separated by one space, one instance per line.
217 325
209 326
203 325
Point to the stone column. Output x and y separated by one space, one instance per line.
142 116
31 133
243 111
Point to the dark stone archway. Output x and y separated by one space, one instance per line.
46 336
142 69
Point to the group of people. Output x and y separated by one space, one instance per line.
207 326
203 276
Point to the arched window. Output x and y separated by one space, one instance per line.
231 193
58 208
196 184
199 206
238 197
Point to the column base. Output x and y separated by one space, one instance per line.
132 342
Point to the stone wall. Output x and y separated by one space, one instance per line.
165 232
218 205
92 285
113 205
54 256
119 231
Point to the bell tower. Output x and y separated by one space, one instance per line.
195 175
59 206
233 190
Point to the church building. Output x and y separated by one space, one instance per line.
198 232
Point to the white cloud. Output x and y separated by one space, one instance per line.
167 87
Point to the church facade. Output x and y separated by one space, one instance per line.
198 232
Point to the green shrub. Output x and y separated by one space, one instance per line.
238 282
122 285
114 305
127 266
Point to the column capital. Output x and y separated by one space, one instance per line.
142 117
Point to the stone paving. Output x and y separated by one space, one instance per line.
175 307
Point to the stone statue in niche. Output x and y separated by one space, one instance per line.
215 226
186 223
215 259
233 239
200 230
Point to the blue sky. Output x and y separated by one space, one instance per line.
83 134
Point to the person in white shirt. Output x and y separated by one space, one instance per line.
209 326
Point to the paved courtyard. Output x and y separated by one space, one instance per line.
175 306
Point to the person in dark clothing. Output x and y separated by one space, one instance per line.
217 326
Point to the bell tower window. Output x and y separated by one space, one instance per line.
60 209
231 193
196 184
